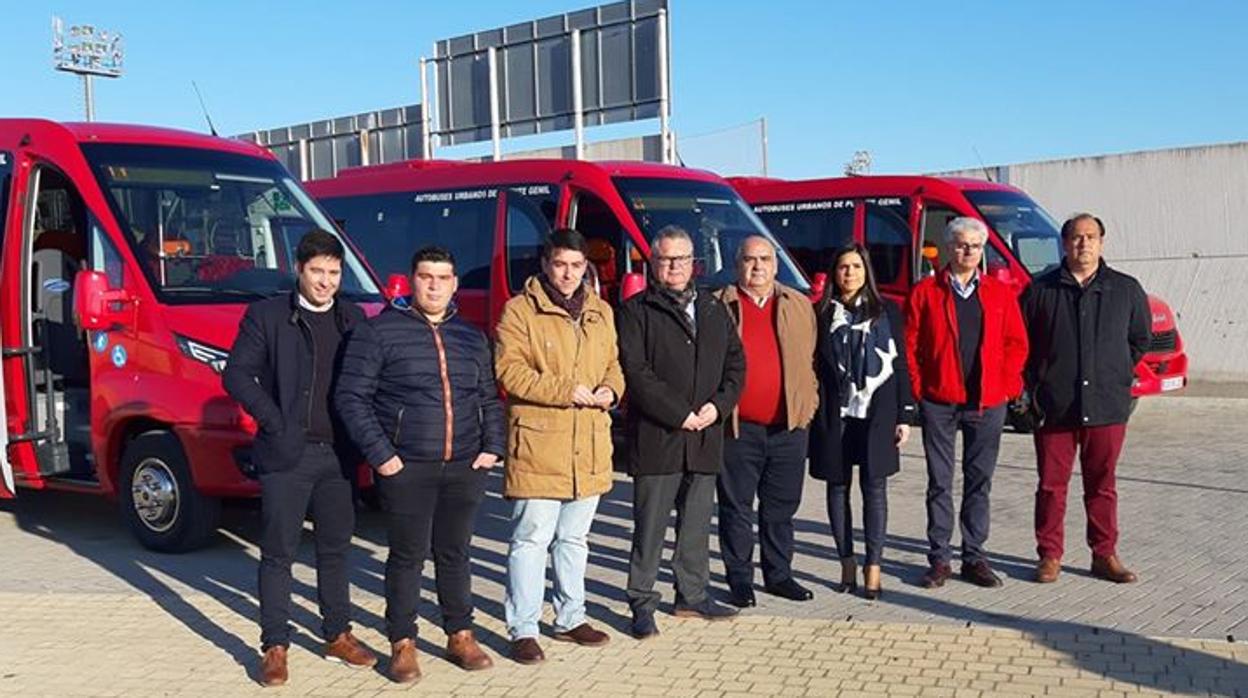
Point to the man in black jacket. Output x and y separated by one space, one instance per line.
1088 327
281 370
684 368
418 397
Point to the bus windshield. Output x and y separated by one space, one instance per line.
714 216
1028 230
214 227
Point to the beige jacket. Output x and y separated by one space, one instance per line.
795 327
554 449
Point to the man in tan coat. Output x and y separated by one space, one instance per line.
557 360
765 453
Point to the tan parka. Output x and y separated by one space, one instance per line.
556 450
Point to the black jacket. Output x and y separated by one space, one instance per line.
671 373
399 371
1085 343
891 404
270 371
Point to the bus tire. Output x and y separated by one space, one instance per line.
158 498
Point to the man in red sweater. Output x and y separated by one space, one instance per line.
765 453
966 346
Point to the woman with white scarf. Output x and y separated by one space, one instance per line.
864 408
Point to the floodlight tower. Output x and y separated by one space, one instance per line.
87 51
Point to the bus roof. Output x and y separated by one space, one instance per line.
771 189
451 174
95 132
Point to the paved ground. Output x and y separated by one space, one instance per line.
87 612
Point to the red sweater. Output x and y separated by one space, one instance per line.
762 398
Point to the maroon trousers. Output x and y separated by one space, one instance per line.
1098 449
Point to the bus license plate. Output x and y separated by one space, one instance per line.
1172 383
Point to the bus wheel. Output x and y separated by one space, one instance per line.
159 501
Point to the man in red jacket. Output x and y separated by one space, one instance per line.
966 346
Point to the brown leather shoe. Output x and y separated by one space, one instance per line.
584 635
937 575
403 665
273 667
527 651
1111 569
462 649
980 574
348 650
1048 570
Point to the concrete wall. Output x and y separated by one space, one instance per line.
1177 220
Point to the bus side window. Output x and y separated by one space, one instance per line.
526 233
813 236
935 218
887 238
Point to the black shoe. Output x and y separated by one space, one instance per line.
741 595
791 590
644 626
707 610
980 574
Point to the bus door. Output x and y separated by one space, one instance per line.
57 233
7 486
529 214
609 247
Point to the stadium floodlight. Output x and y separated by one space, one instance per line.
87 51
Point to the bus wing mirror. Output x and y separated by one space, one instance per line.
633 284
95 303
398 286
818 284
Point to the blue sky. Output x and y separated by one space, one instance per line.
921 85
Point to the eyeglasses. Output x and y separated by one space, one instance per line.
681 261
969 247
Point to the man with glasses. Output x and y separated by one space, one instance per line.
684 368
966 345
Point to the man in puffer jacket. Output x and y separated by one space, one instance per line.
418 397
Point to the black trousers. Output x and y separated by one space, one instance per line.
981 441
318 482
430 507
654 497
768 462
874 498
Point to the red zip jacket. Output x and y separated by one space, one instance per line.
932 343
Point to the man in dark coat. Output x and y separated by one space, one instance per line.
1089 326
684 368
418 397
281 370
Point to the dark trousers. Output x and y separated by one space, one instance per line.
317 482
874 517
854 451
981 440
1098 448
654 497
768 462
430 506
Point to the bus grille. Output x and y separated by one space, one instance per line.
1163 342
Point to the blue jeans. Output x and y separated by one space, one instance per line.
536 524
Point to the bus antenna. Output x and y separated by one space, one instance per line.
211 129
982 166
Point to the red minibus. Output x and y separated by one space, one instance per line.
901 219
495 216
129 254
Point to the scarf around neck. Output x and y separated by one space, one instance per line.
572 305
864 351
